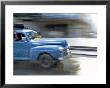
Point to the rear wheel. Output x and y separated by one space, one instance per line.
46 61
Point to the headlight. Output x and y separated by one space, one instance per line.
68 50
61 48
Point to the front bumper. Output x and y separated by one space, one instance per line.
68 55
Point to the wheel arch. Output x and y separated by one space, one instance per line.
45 53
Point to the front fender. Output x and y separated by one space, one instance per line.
36 51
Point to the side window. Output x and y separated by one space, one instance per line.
18 36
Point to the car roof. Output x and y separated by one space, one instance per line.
22 30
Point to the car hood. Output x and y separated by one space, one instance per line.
61 42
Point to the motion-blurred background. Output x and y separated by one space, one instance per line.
59 25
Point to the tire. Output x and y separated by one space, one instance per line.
46 61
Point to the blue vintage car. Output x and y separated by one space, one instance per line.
28 45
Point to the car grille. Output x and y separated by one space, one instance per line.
65 52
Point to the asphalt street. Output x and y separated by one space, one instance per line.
81 63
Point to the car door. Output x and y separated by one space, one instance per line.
21 48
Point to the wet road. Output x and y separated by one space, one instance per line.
77 65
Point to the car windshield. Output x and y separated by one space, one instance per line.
33 35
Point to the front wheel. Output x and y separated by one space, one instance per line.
46 61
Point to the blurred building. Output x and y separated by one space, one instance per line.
59 25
